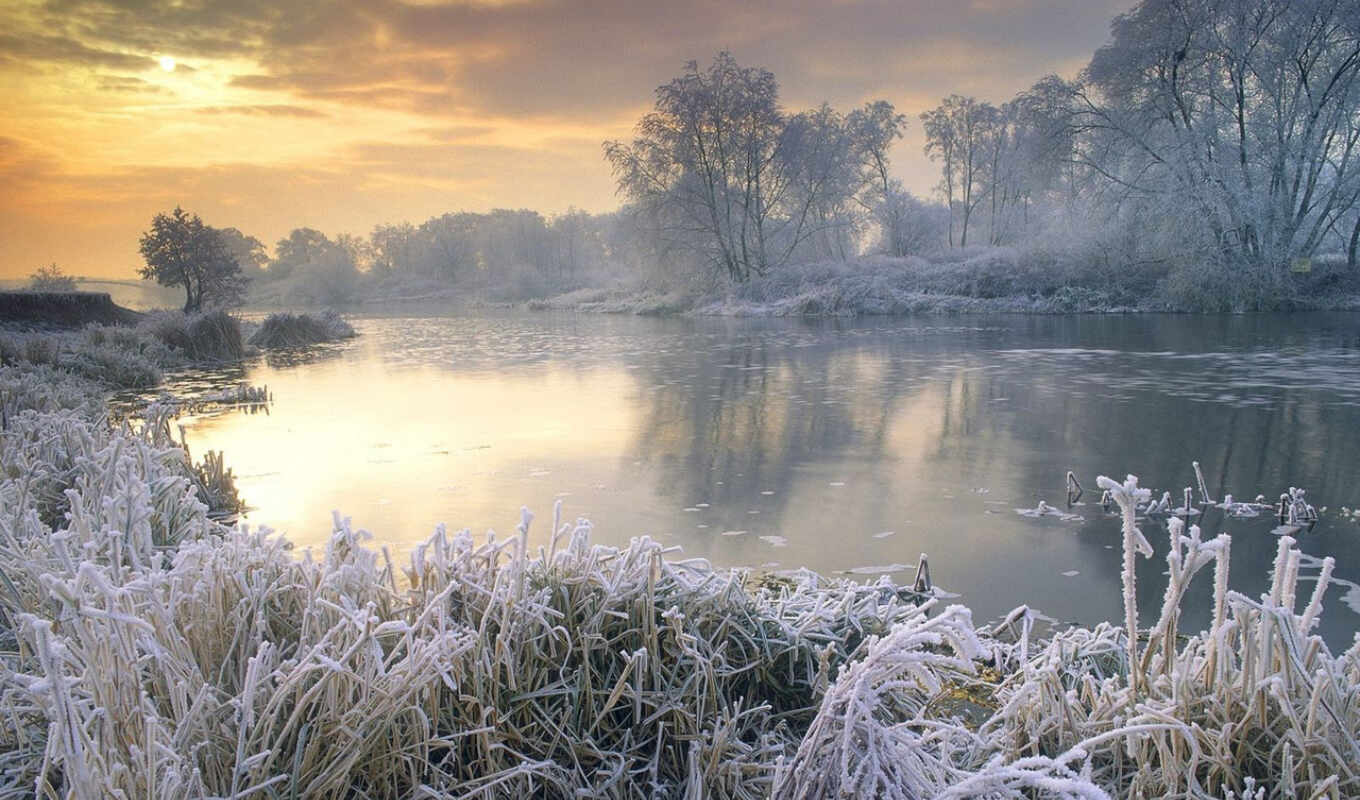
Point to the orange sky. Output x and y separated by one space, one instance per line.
276 114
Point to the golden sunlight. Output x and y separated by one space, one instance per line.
167 63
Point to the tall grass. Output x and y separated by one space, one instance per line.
148 651
206 336
297 330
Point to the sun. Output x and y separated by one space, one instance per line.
167 63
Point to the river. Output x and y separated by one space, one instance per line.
848 447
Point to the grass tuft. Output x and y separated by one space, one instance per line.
298 330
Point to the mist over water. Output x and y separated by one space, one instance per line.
845 447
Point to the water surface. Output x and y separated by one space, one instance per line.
846 447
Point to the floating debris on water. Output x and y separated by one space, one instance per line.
734 533
1242 510
1046 510
884 534
774 541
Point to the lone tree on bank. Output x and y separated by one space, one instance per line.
181 251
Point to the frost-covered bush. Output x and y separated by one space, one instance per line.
298 330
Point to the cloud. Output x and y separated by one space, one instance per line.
65 51
128 84
549 58
276 110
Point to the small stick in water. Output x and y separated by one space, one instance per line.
1203 491
1073 489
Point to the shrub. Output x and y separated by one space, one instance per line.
51 279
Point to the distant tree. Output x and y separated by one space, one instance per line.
825 177
302 246
395 248
907 226
247 250
51 279
957 133
319 269
872 131
180 250
449 247
571 236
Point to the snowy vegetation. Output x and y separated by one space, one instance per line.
148 650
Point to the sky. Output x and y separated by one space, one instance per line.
267 115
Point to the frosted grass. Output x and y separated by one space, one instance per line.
147 650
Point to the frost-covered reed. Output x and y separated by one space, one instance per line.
149 651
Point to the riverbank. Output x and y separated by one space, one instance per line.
56 310
134 354
973 280
134 624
